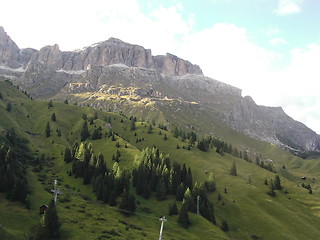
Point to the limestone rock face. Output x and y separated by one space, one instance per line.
49 57
173 66
273 125
9 51
112 51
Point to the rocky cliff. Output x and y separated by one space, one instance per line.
112 51
113 73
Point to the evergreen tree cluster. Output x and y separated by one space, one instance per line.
108 184
13 180
191 136
307 186
205 143
205 207
273 185
97 133
268 166
155 173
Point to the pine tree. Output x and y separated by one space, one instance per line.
95 116
219 198
175 132
132 125
67 155
66 101
233 170
48 131
210 184
9 108
180 192
51 221
184 216
188 179
258 160
224 226
173 209
189 201
165 137
1 96
84 132
249 179
53 117
271 191
50 104
277 183
127 204
161 191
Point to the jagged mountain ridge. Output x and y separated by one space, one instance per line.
105 53
117 71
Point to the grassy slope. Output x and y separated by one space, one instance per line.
247 208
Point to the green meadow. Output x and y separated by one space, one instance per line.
244 203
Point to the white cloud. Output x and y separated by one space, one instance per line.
286 7
272 31
277 41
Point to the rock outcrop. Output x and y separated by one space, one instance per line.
9 51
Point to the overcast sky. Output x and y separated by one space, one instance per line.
268 48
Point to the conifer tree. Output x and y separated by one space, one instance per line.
84 132
51 221
66 101
175 132
233 170
48 131
271 191
165 137
67 155
258 160
9 108
188 179
127 204
53 117
224 226
210 184
189 201
132 125
1 96
184 216
50 104
173 209
95 116
277 183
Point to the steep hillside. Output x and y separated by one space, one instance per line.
241 201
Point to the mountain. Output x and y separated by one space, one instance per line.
243 209
123 77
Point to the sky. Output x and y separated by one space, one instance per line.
268 48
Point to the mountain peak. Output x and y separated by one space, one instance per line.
114 40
